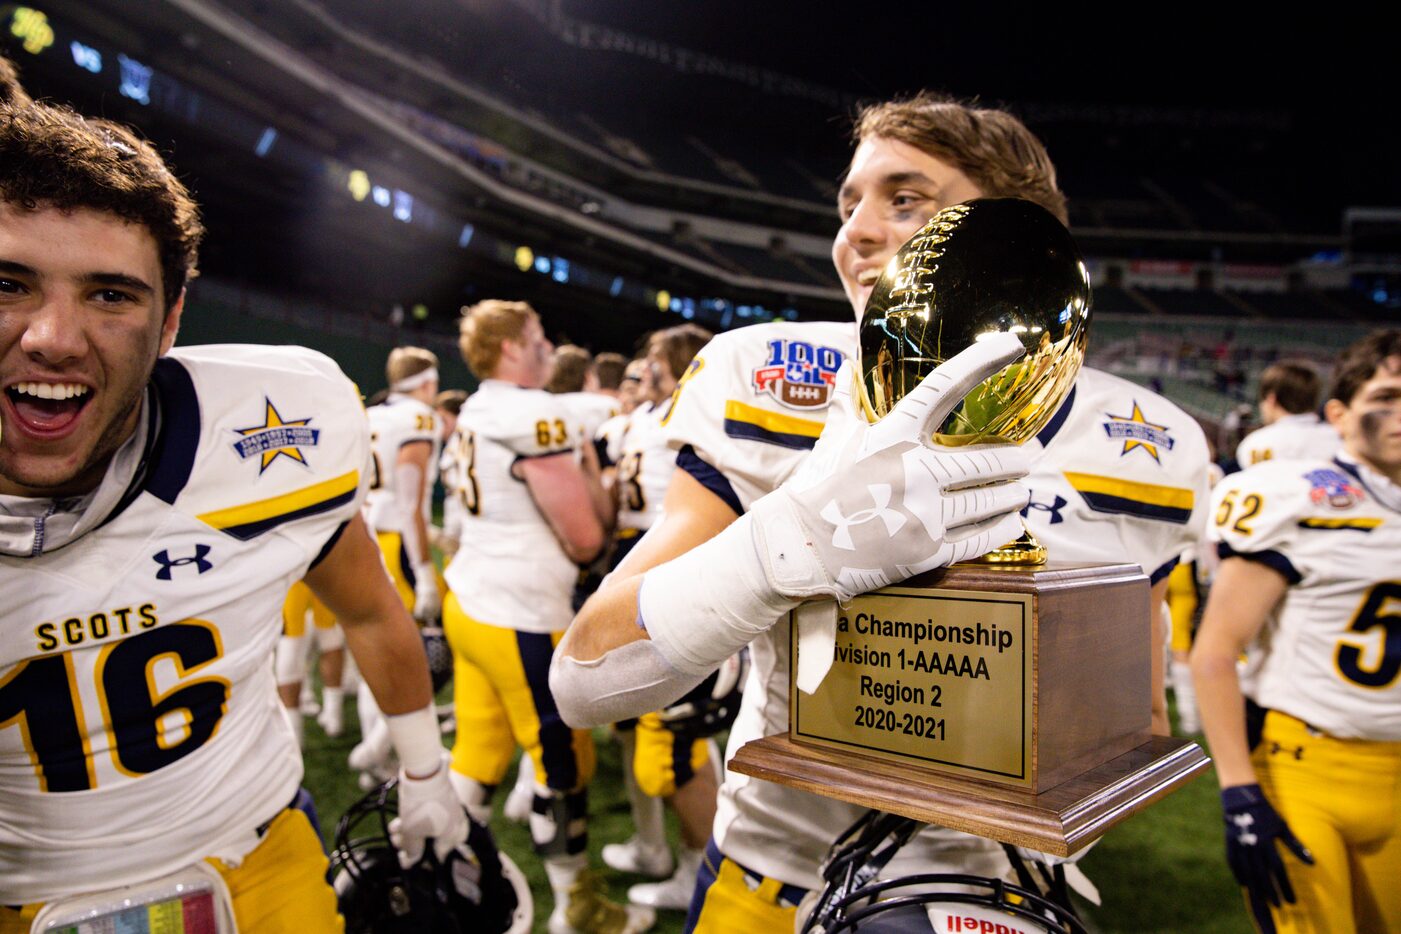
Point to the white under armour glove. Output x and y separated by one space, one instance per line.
428 808
870 506
427 602
876 504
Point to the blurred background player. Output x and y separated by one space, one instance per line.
537 516
293 650
1098 492
666 754
405 443
1290 424
447 406
1310 589
606 375
574 379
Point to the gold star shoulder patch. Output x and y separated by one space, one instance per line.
1138 433
276 437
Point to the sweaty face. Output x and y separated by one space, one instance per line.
81 326
891 190
1371 423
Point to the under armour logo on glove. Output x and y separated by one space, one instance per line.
166 562
841 534
1253 828
935 504
1243 824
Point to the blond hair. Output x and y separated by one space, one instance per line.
408 361
993 148
485 326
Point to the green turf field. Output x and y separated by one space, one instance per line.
1163 870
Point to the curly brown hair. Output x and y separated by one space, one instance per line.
993 148
51 157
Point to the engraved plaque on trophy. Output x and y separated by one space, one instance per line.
1008 697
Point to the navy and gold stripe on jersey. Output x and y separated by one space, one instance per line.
756 424
1339 525
1128 497
253 519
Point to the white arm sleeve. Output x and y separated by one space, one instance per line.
408 481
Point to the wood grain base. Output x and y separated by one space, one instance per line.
1060 820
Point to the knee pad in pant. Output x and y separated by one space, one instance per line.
559 822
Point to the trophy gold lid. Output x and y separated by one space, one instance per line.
995 265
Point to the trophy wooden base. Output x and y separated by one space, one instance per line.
1061 820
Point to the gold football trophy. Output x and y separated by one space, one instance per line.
1008 697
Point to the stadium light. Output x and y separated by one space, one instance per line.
359 185
663 300
86 57
525 258
33 27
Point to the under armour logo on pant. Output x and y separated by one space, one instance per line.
163 558
1054 508
841 534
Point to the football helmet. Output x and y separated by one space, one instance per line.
477 888
712 705
855 899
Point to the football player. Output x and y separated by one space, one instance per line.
1119 473
667 753
1309 588
533 515
404 445
291 657
157 505
447 407
574 379
1290 424
404 433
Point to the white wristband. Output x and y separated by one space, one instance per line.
418 741
704 606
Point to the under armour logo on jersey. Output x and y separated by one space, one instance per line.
166 562
1243 823
1054 508
841 536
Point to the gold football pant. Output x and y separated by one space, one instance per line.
664 759
396 562
279 888
501 694
730 898
299 600
1182 604
1342 799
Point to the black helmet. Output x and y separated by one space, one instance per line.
476 889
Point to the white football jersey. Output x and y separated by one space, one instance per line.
1328 655
1132 485
609 439
139 724
1293 437
589 410
510 570
754 402
645 465
395 422
451 474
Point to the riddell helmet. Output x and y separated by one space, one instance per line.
476 889
943 903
